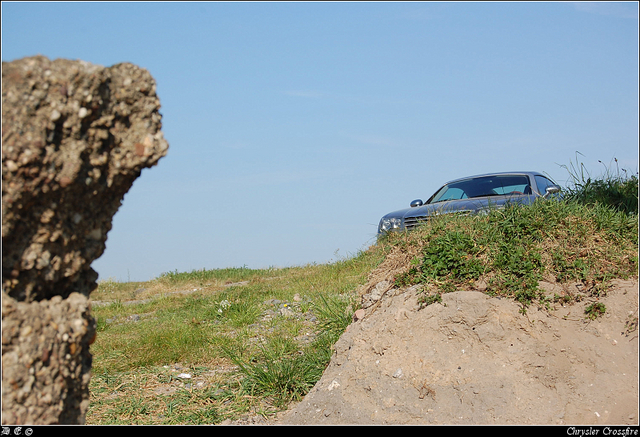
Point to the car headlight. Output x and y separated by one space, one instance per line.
387 224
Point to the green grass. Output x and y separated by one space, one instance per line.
229 275
513 249
259 344
255 340
616 188
280 371
590 237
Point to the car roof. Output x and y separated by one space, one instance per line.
530 173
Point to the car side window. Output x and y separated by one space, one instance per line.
453 194
542 183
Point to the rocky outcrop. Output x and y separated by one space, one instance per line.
75 136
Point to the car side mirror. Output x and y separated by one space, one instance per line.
552 189
416 203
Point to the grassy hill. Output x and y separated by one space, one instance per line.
250 340
206 346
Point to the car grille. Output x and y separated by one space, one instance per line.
412 222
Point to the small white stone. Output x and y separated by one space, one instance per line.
11 166
82 113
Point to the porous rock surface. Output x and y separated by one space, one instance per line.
75 136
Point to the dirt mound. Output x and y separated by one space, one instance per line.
475 359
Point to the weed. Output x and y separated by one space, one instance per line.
617 189
335 314
280 377
595 310
631 325
425 300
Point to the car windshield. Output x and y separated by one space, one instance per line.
482 187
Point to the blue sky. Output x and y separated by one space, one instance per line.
293 127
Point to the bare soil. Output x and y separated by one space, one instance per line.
475 359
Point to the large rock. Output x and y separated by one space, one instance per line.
75 136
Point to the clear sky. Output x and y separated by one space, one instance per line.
293 127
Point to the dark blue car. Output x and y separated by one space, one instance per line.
473 195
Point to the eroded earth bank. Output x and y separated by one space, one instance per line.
475 359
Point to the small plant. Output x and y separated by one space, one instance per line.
631 325
617 189
595 310
335 314
563 300
280 376
224 305
239 314
451 254
425 301
450 258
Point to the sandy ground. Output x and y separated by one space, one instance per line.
474 359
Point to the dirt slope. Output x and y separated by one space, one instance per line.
477 360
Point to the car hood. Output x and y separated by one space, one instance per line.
466 205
